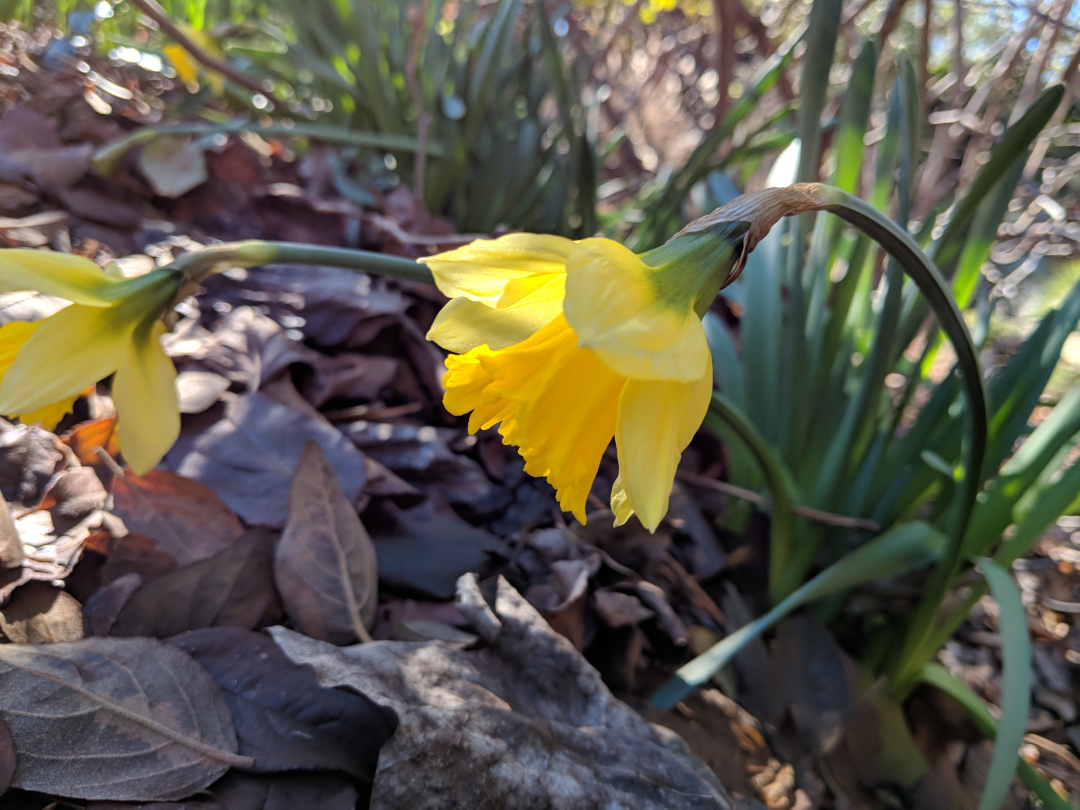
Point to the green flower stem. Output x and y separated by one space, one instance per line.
904 249
724 418
199 264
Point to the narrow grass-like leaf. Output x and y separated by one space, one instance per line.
665 213
1012 147
937 676
1015 688
995 510
824 23
901 549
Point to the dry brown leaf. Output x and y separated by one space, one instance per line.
40 613
107 718
524 721
325 565
173 165
85 438
234 588
184 518
11 547
247 458
28 459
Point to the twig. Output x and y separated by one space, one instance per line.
416 18
153 10
816 515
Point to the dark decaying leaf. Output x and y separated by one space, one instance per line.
105 604
183 517
286 791
74 494
246 348
7 756
234 588
188 804
348 376
338 307
40 613
11 547
248 457
28 459
284 719
524 721
136 554
121 719
325 565
420 456
425 549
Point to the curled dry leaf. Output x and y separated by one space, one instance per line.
28 459
183 517
325 564
284 791
121 719
284 719
246 348
40 613
173 165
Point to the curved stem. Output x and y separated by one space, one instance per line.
926 276
199 264
723 413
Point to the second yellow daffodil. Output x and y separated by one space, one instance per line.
566 344
112 325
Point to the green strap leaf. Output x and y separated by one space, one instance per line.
937 676
901 549
1016 684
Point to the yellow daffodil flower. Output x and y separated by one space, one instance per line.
566 344
112 325
187 69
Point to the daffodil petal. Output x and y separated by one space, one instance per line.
555 401
463 324
49 416
499 272
76 347
147 408
617 308
187 69
72 277
656 421
620 502
13 337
